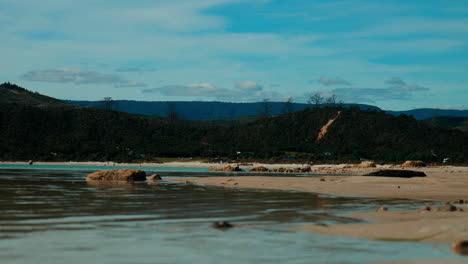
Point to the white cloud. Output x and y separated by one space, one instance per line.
128 84
397 84
249 86
211 91
395 81
77 76
333 81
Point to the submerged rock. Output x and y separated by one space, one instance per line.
117 175
397 173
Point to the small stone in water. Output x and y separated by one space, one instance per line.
222 225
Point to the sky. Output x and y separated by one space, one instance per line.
394 54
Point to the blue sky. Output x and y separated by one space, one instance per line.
393 54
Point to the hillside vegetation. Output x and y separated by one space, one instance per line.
32 130
13 94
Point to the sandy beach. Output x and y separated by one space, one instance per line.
442 184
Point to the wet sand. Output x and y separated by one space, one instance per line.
442 184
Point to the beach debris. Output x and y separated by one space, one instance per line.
460 201
322 179
448 208
426 208
234 167
366 164
280 169
396 173
117 175
188 182
259 169
306 169
460 247
383 209
30 162
154 177
413 164
222 225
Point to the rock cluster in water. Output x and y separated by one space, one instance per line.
234 167
117 175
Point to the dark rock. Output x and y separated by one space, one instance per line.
222 225
154 177
460 247
117 175
397 173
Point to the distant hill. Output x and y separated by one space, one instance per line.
425 113
203 110
13 94
235 113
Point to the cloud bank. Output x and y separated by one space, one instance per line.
77 76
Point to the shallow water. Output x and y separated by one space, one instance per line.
52 215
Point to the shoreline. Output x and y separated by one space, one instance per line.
442 184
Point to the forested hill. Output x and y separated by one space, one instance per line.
205 110
354 135
13 94
82 134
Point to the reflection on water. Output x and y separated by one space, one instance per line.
49 216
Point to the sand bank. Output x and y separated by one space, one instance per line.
442 184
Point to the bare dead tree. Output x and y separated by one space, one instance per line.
288 106
266 108
316 98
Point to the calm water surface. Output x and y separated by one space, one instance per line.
50 214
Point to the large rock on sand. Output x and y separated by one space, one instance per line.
366 164
259 169
413 164
117 175
397 173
